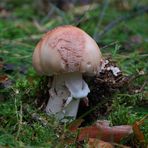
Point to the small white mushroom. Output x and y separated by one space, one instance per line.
66 53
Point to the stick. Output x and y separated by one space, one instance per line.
120 19
101 15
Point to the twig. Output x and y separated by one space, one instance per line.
110 44
120 145
141 88
84 11
60 13
20 121
39 27
134 77
120 19
101 15
50 12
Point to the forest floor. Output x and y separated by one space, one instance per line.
121 33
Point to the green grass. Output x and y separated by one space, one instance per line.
18 38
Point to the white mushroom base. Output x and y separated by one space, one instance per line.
65 94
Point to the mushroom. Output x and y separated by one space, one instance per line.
66 53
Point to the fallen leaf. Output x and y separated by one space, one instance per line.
3 78
4 81
137 131
104 132
96 143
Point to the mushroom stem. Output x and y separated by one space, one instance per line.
58 94
65 94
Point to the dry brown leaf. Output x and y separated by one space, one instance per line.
3 78
104 132
96 143
137 130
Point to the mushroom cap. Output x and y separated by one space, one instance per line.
66 49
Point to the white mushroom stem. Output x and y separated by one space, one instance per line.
58 94
65 94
